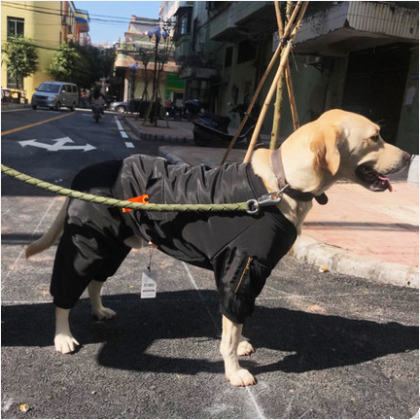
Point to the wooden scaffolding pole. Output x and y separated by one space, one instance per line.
279 48
275 132
273 87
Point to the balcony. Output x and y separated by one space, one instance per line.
238 20
352 26
196 66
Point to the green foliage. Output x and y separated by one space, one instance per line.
83 65
101 62
20 57
69 66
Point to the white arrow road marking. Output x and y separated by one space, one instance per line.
59 144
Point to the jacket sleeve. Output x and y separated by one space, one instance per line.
239 279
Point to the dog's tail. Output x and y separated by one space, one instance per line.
49 237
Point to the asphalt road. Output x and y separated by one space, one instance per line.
328 346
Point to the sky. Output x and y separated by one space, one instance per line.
109 19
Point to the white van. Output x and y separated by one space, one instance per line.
54 95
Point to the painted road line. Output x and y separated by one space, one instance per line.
258 409
3 133
124 135
129 145
120 127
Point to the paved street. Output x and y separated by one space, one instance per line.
328 345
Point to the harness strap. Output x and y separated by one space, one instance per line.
277 165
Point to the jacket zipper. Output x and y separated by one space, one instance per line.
243 274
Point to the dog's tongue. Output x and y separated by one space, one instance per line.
387 181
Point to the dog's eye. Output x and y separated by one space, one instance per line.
376 137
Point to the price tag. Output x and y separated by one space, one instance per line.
148 287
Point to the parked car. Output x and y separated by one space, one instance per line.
54 95
125 106
135 105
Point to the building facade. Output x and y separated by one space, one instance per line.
145 62
359 56
47 24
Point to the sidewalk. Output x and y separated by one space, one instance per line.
13 107
370 235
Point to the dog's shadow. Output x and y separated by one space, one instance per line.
312 341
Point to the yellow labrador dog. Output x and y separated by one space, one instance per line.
281 186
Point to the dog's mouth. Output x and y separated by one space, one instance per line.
375 180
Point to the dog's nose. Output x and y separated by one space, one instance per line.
406 158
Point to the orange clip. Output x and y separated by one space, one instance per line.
144 199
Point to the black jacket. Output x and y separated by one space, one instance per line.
241 249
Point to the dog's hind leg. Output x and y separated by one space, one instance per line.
64 341
231 335
98 310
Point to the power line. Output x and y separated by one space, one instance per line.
54 12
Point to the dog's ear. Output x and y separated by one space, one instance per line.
325 146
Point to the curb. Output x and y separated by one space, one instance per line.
338 260
14 107
147 136
171 157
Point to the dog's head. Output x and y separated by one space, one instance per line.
347 145
354 149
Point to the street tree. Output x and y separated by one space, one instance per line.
21 58
100 62
68 65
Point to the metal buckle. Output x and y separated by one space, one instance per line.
265 200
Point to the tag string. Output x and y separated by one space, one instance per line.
149 266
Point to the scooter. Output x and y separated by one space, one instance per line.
211 128
97 111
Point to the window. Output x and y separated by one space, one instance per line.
246 51
184 25
184 21
14 82
228 56
15 26
49 87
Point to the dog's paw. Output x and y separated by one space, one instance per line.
241 377
103 313
245 349
65 343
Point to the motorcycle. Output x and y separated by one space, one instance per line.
97 112
211 128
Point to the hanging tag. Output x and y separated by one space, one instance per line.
148 287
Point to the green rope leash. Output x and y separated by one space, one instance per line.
108 201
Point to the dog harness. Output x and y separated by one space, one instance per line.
241 249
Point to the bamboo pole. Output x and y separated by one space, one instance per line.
267 103
277 113
293 107
279 93
286 76
263 79
274 83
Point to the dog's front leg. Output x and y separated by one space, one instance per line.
64 341
231 336
98 310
